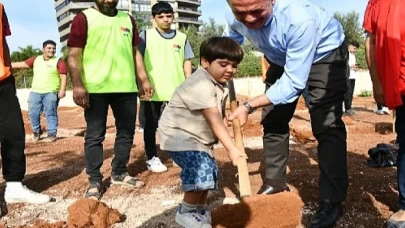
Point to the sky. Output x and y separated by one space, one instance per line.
32 27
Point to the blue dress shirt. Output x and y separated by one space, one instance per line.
297 34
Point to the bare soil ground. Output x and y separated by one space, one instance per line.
58 169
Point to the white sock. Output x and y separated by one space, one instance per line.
13 186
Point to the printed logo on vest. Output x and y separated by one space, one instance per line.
176 47
126 31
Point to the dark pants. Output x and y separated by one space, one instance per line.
379 106
326 89
141 115
123 106
400 130
349 94
153 111
12 132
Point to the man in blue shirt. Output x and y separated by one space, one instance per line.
304 47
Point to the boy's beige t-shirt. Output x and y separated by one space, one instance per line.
182 126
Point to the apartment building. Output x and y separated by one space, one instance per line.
67 9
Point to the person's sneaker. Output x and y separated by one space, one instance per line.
155 165
379 112
24 195
36 136
50 138
207 215
93 191
350 112
127 180
192 219
386 111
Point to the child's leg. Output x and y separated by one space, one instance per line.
202 202
190 201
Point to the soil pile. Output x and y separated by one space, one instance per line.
88 213
280 210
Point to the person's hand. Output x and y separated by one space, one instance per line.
61 94
378 93
234 154
81 97
146 91
240 113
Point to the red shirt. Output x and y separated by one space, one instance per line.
382 18
61 64
78 32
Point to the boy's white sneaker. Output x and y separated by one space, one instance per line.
24 195
207 215
386 111
155 165
192 219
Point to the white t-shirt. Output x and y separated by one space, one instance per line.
352 62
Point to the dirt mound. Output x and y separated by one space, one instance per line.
88 213
43 224
280 210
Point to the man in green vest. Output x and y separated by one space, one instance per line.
167 55
105 65
48 86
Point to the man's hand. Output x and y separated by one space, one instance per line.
146 90
62 94
378 93
240 113
234 154
81 97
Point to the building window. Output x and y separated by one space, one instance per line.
62 5
63 16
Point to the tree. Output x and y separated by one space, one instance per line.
24 76
353 32
142 21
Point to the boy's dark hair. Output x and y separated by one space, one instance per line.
355 43
161 7
221 48
51 42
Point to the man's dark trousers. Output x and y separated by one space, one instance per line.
124 108
12 132
327 86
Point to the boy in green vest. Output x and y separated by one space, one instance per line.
167 55
48 86
194 120
105 65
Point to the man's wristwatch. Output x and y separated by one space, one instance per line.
248 107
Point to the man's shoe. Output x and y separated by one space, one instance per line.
326 215
36 136
394 224
269 190
24 195
127 180
50 138
350 112
155 165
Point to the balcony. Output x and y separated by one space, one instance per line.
189 2
81 5
187 10
189 20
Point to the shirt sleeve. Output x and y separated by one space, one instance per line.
369 22
231 33
135 34
188 51
62 67
194 99
30 61
142 43
78 31
6 25
301 48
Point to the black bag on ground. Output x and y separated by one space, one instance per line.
383 155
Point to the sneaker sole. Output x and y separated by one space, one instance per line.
14 200
185 226
157 171
126 184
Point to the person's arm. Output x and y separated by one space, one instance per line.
378 91
300 55
63 75
215 122
188 55
19 65
76 42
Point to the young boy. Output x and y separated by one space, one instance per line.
167 55
192 123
